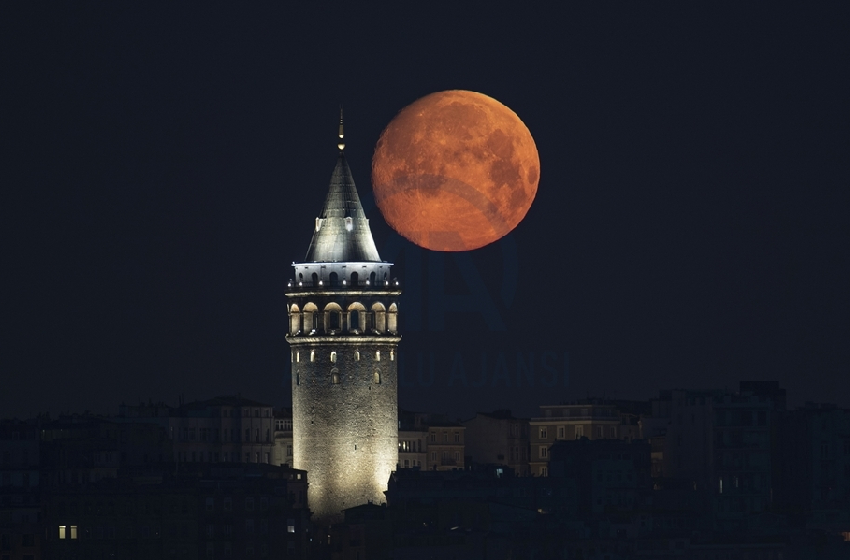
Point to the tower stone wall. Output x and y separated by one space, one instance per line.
343 335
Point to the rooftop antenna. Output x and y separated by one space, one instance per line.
341 143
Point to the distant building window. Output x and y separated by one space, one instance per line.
433 437
599 433
613 432
579 432
543 433
445 437
560 432
62 532
457 437
544 451
544 471
290 525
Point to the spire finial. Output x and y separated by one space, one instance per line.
341 143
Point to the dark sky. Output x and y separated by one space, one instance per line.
162 168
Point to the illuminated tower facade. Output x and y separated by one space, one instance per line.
343 336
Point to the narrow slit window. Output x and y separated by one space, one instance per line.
333 357
376 378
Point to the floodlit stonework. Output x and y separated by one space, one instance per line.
343 336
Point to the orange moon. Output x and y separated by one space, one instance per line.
455 171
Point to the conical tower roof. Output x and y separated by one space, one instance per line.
342 232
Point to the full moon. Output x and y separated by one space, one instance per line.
455 171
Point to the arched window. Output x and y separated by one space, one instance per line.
294 320
372 279
309 318
334 279
354 278
332 317
315 279
335 376
380 317
356 317
376 378
392 319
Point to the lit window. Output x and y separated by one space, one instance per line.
392 355
312 355
543 433
298 356
357 356
73 532
335 377
376 377
290 525
457 437
377 355
61 531
333 357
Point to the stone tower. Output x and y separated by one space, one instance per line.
343 334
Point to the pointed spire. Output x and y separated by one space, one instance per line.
341 143
342 232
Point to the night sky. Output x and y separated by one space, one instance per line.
162 169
